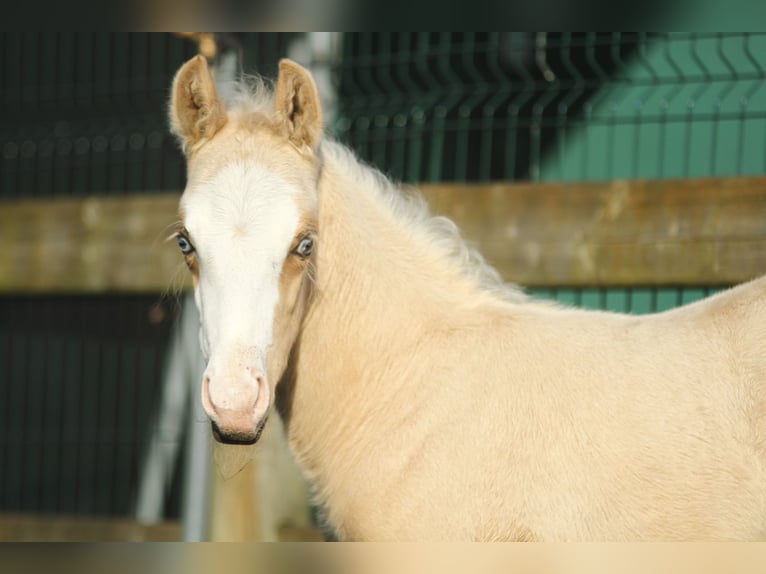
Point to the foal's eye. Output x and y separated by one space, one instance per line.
304 247
185 245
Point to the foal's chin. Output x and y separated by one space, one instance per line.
239 437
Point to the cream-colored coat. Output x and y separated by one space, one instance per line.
424 400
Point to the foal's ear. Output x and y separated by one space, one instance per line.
297 106
196 113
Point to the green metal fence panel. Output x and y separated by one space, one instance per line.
637 300
558 107
80 382
85 113
687 105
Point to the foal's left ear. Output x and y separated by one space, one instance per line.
297 105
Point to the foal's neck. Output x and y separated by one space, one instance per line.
381 288
379 262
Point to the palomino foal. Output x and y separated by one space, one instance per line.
424 399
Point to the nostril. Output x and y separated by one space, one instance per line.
207 403
257 375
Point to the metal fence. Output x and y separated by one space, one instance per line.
84 114
558 107
564 106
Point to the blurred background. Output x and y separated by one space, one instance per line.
101 436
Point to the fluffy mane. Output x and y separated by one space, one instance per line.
252 99
411 208
251 95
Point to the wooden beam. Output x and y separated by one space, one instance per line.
42 528
618 233
90 245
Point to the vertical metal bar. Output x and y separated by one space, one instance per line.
691 105
44 383
643 41
3 71
477 90
24 422
195 505
415 74
53 415
551 83
591 41
563 119
6 366
514 124
745 101
441 111
6 330
182 374
498 82
15 421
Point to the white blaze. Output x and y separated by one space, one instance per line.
242 223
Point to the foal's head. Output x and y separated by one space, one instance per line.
248 234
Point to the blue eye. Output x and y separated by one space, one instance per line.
185 245
304 247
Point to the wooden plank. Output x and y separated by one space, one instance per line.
91 245
41 528
298 534
654 232
618 233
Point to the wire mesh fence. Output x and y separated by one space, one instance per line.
84 114
81 381
558 107
563 106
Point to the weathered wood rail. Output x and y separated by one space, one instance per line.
620 233
708 231
57 528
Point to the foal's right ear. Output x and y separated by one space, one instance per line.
196 113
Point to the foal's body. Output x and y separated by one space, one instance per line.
425 400
440 411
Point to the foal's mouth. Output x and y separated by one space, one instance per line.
237 439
